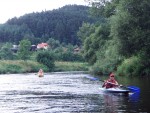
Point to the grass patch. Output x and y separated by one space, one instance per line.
19 66
71 66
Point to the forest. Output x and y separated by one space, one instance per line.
60 24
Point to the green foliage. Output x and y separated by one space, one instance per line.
95 42
46 58
129 21
19 66
85 31
71 66
108 58
104 8
130 67
53 43
64 53
62 24
14 33
70 56
5 52
24 49
129 24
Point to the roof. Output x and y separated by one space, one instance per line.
42 45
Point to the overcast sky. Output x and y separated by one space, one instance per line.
16 8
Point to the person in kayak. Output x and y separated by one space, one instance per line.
40 73
111 82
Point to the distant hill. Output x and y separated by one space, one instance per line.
61 24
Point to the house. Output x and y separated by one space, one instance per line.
15 48
42 46
77 50
33 48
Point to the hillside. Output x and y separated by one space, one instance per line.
61 24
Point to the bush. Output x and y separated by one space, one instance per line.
108 59
71 66
69 56
46 58
20 66
130 67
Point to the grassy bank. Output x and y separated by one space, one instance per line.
71 66
20 66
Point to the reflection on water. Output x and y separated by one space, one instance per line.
61 92
135 97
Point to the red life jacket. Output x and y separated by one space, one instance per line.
109 85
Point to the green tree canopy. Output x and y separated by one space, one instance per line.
5 52
24 49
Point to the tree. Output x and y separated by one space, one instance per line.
104 8
5 52
24 49
62 23
95 42
85 31
53 43
46 58
130 27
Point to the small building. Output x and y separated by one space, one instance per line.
33 48
15 48
77 50
42 46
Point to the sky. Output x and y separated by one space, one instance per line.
17 8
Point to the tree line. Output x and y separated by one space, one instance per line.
116 37
122 43
60 24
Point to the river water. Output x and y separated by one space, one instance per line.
67 93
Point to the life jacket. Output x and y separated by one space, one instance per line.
109 85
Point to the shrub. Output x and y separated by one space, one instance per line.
20 66
71 66
130 67
69 56
46 58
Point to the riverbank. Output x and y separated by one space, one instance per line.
20 66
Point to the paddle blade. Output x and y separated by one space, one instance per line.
134 88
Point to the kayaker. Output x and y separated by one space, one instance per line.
111 82
40 73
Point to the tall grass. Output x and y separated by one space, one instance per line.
71 66
19 66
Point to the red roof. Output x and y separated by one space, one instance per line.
42 45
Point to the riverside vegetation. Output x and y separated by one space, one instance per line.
116 37
20 66
26 61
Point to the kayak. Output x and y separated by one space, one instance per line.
40 75
115 90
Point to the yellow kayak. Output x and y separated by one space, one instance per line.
40 75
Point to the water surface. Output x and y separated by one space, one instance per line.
65 92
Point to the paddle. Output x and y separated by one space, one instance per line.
131 88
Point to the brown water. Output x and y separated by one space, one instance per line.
69 93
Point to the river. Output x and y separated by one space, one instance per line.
68 93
